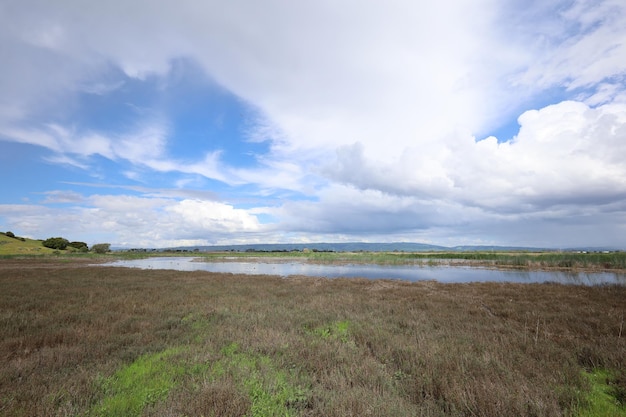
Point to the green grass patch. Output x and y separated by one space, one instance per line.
144 382
338 330
22 246
606 397
198 326
271 390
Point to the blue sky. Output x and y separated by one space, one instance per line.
161 124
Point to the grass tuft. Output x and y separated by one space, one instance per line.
338 330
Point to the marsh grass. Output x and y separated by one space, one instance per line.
83 341
521 259
593 261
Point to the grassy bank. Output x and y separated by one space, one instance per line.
98 341
12 246
615 261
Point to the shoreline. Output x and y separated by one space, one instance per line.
60 261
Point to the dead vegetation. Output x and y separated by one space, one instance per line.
343 347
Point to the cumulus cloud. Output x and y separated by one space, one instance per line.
567 153
401 72
216 217
132 220
348 210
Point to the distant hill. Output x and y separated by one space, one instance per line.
475 248
350 247
16 245
331 247
21 246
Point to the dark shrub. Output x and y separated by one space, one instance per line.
56 243
101 247
78 245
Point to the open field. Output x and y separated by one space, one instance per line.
80 340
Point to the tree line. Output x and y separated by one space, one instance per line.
61 243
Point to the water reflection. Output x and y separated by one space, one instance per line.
445 274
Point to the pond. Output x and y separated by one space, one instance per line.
443 273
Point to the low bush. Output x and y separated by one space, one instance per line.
101 248
81 246
58 243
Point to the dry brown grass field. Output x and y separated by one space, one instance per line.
80 340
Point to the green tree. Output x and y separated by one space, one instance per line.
9 234
81 246
56 243
101 247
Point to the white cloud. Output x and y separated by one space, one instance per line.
565 153
399 63
584 45
143 145
347 210
399 72
58 196
213 216
132 220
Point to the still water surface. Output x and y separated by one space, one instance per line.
446 274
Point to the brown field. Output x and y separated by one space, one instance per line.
79 340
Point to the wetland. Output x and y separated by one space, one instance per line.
444 272
86 340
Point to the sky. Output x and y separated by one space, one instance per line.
199 122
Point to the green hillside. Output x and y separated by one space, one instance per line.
21 246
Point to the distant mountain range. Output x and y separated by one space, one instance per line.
351 247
